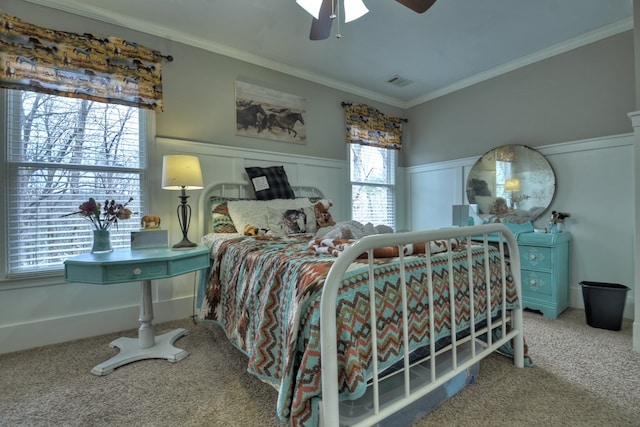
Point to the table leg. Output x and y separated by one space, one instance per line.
146 334
147 345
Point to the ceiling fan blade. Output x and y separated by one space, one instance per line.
419 6
321 27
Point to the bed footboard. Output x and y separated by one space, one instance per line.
502 322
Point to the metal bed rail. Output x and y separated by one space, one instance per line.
330 408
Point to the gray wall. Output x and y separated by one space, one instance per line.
583 93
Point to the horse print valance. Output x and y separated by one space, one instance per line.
105 69
368 126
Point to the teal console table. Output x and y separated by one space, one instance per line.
545 265
144 265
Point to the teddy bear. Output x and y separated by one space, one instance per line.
321 211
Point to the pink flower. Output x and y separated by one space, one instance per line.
110 215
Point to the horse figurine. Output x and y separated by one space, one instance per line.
150 221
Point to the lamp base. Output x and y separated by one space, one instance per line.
184 244
184 218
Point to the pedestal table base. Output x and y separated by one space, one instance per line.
147 345
130 351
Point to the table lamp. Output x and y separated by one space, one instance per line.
512 185
182 172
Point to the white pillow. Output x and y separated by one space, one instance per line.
288 221
255 212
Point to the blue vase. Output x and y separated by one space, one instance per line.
101 242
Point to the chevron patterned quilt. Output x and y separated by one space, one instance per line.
265 293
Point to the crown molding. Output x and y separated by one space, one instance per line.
78 8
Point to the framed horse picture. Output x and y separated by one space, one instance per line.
269 114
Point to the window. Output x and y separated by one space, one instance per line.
373 184
61 151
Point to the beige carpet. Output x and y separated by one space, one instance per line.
583 377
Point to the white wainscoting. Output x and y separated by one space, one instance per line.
594 183
226 164
594 178
37 313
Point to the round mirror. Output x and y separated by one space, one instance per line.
514 183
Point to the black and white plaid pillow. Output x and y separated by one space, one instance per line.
270 183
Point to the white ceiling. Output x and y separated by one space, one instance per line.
454 44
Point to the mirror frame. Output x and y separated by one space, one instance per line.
511 183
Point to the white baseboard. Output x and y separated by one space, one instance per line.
52 331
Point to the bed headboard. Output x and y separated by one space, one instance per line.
238 190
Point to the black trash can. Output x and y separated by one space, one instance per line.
604 304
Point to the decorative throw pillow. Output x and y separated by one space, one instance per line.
255 212
288 221
270 183
220 219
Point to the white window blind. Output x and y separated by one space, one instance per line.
373 172
61 151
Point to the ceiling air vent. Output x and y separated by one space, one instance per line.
399 81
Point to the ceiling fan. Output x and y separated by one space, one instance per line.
325 11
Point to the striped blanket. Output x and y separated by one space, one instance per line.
265 293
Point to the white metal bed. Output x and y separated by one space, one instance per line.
480 340
330 413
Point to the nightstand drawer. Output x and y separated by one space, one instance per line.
136 271
537 257
535 282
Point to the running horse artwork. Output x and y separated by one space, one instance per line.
285 121
268 114
251 115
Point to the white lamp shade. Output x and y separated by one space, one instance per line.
512 184
354 9
311 6
181 172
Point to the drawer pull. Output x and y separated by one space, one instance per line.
533 282
137 271
532 256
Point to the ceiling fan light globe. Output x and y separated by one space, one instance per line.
354 9
311 6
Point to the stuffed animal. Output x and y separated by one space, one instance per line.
321 211
559 217
250 230
351 230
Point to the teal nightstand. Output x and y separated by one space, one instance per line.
126 265
544 260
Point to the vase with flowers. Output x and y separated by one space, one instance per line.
103 218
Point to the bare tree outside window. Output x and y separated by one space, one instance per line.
61 152
372 184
